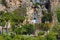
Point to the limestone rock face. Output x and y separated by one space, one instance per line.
38 15
55 4
2 8
11 5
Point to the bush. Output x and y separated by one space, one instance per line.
1 37
21 11
58 14
40 33
51 36
26 29
44 26
41 38
47 17
56 29
30 28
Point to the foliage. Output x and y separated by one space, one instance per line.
26 29
36 5
41 38
51 36
19 37
20 11
1 37
58 14
16 20
56 29
2 22
40 33
3 19
44 26
47 17
29 28
4 2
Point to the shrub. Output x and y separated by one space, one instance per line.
44 26
56 29
51 36
41 38
47 17
30 28
1 37
58 14
26 29
40 33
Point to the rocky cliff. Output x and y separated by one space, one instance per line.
9 5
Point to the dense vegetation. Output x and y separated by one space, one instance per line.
58 14
50 36
21 31
4 2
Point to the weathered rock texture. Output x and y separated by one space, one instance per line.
38 14
2 8
11 5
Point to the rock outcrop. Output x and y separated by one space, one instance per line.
11 5
2 8
38 16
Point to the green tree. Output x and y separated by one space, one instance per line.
40 33
47 17
16 21
4 19
30 29
51 36
26 29
56 29
44 26
41 38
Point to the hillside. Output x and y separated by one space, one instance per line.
29 19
